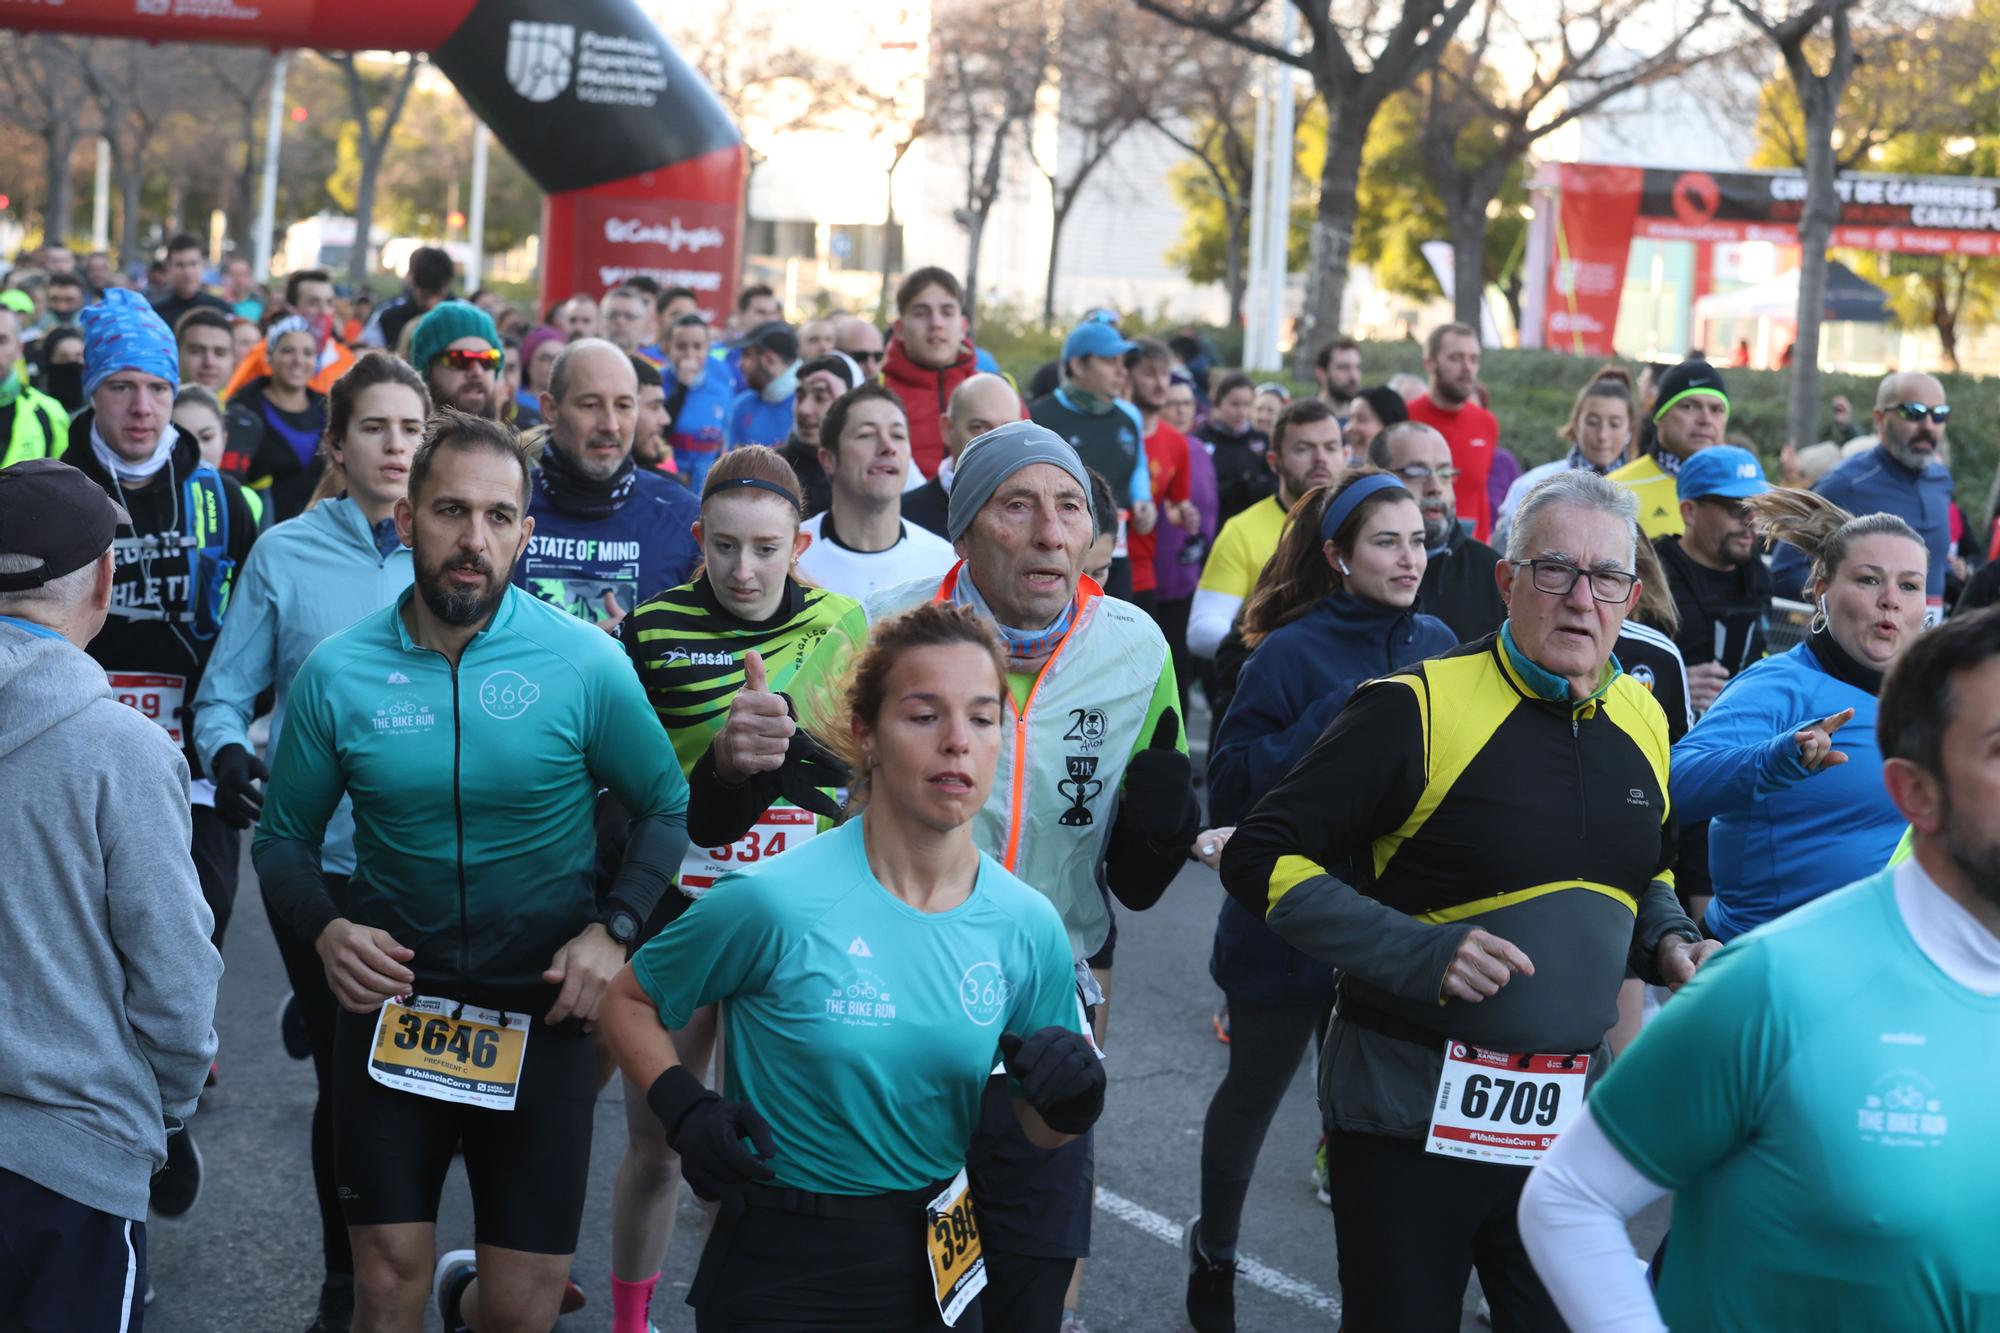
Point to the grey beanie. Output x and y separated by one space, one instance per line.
997 455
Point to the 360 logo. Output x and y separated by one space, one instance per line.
507 694
985 992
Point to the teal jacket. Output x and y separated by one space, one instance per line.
474 788
306 578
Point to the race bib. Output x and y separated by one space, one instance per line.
776 829
958 1269
439 1049
157 697
1504 1109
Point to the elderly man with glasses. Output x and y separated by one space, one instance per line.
1904 475
1482 845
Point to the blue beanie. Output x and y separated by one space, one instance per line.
121 332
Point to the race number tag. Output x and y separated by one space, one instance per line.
958 1269
1505 1109
436 1048
157 697
776 829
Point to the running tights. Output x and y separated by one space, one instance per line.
308 977
1265 1043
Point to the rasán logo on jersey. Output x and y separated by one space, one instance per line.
541 59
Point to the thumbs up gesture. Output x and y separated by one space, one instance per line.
758 730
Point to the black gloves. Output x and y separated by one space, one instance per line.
808 767
1159 790
235 771
708 1132
1060 1074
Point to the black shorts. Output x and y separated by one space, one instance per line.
1030 1201
65 1265
527 1167
1101 960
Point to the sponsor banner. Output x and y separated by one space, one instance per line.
1587 276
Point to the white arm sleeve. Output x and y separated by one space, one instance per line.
1209 620
1573 1215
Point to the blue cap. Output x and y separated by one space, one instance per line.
1092 338
1722 470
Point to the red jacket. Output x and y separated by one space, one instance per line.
925 394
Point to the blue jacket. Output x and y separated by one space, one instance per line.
1872 483
702 425
754 421
306 579
1780 837
1291 688
643 547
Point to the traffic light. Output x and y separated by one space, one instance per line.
298 115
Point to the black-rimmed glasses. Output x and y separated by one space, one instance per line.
1557 577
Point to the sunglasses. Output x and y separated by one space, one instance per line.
1919 411
464 358
869 356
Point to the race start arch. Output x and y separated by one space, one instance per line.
641 165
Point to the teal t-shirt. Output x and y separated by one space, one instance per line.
861 1028
1826 1103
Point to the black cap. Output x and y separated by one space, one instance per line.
52 512
1386 403
775 336
1690 379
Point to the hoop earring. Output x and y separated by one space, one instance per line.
1817 624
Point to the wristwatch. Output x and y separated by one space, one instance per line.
620 922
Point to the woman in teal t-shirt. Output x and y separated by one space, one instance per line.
873 978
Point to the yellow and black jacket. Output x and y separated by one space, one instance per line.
1466 791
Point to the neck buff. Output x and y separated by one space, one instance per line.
1841 664
586 497
10 388
1084 401
1027 649
124 471
783 387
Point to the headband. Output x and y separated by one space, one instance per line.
281 327
1342 506
1699 391
737 483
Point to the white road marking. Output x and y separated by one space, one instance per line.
1260 1275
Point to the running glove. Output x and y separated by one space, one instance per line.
235 770
1159 789
1060 1075
708 1133
808 767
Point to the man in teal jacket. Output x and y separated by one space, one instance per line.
472 726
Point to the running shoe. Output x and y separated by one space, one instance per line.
1073 1323
1220 1018
336 1305
1211 1286
573 1298
292 1028
178 1184
1320 1190
455 1271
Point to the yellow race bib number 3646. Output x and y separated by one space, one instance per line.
440 1049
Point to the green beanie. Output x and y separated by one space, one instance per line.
447 322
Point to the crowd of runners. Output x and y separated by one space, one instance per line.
780 718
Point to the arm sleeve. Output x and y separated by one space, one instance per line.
629 752
1358 782
1209 619
1266 731
240 668
306 784
161 925
1572 1216
1738 754
727 943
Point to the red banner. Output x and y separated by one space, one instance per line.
1598 206
678 226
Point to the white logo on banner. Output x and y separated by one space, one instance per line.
541 58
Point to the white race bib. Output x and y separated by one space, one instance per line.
450 1052
779 828
1504 1109
156 696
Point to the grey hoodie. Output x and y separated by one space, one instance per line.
107 978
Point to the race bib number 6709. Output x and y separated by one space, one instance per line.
1506 1109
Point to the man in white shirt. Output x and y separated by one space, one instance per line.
861 543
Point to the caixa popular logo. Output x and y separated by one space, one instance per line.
541 59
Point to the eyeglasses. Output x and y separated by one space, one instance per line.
1418 472
1557 577
465 358
1919 411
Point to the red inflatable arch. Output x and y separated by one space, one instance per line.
642 167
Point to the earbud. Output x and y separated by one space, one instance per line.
1343 567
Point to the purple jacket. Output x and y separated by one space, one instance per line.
1176 580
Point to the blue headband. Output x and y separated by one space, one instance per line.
1344 504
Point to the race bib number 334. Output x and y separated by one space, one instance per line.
1508 1109
776 829
439 1049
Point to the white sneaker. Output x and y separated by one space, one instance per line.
455 1269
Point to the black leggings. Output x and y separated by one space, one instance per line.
218 854
308 977
1265 1043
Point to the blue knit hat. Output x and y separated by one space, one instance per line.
121 332
447 322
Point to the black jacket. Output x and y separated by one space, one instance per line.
150 631
1458 587
1717 625
928 506
257 455
1243 474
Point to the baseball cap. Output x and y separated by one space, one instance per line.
53 513
775 336
1724 471
1092 338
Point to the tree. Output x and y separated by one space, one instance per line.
1355 67
137 87
1210 122
1477 127
242 76
991 60
371 131
46 95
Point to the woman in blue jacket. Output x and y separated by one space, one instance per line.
308 578
1777 840
1336 605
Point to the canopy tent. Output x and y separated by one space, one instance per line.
1848 297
